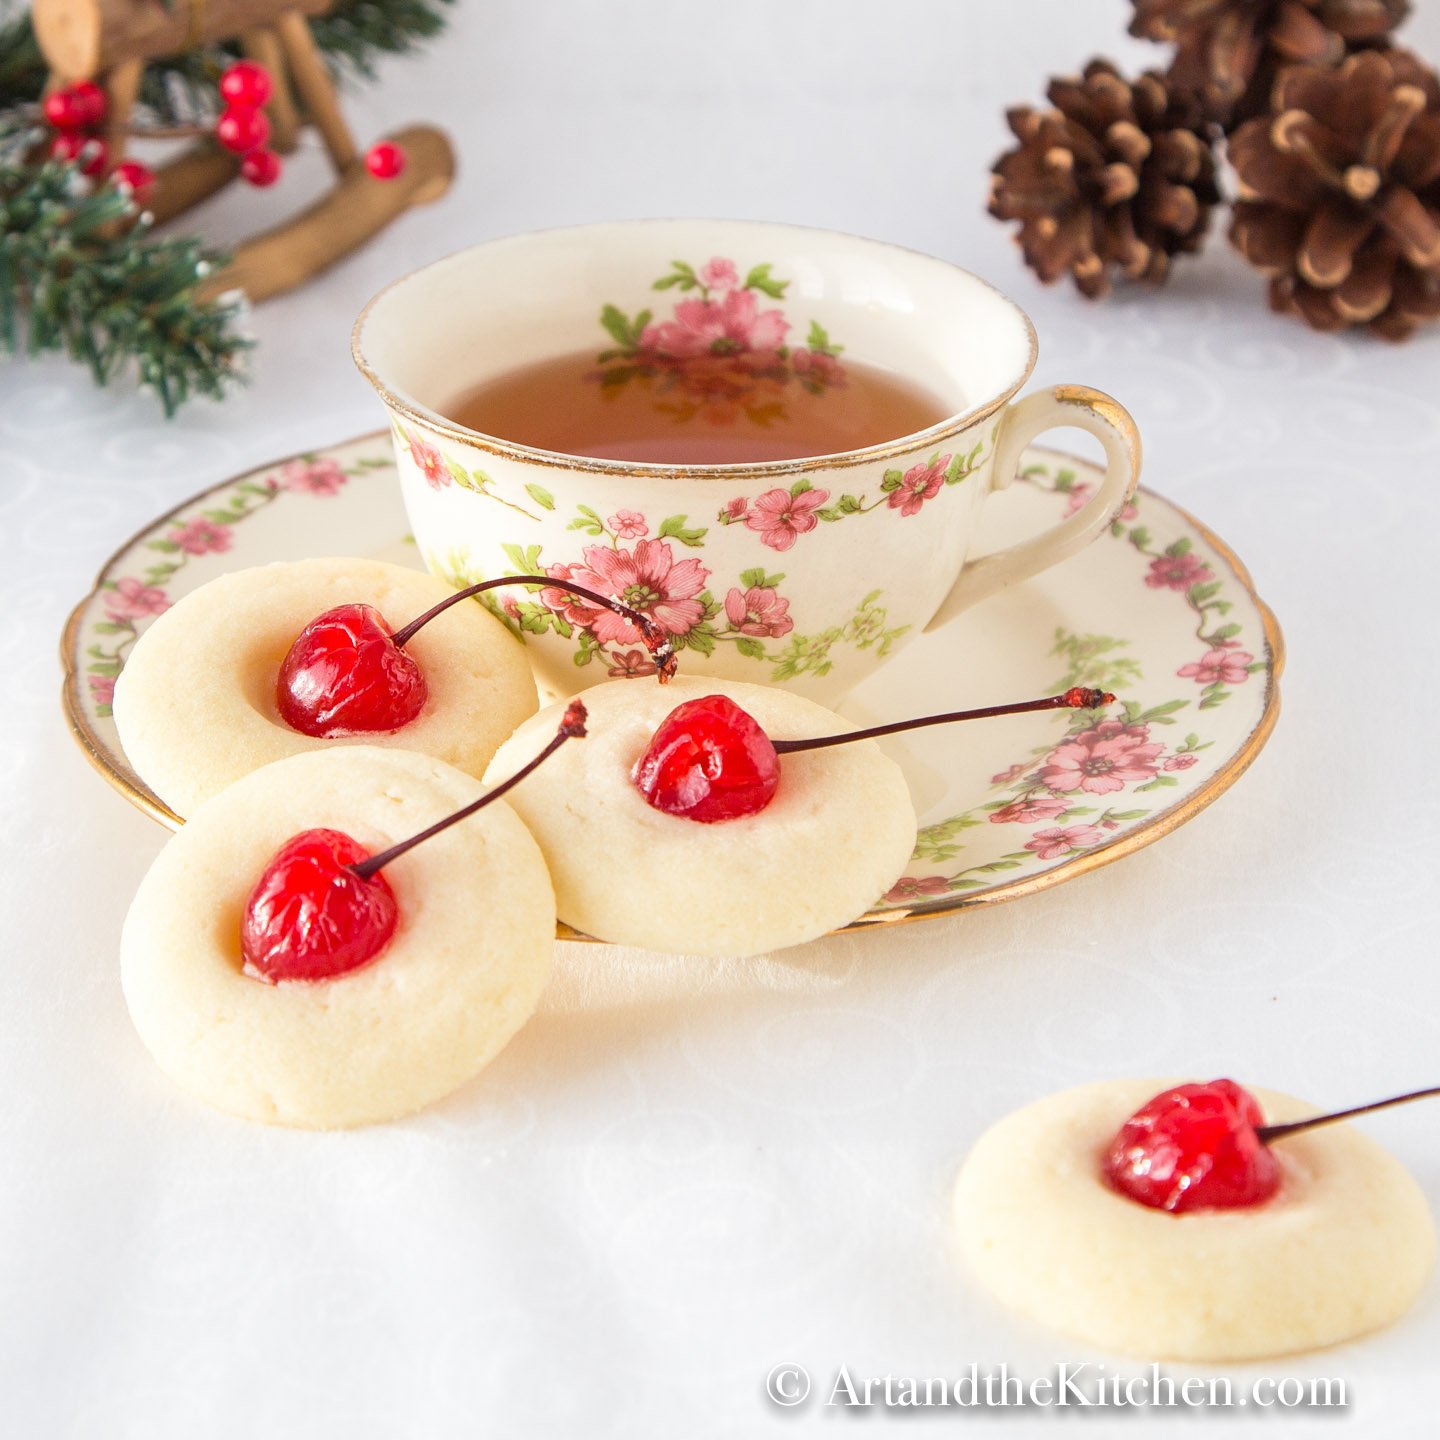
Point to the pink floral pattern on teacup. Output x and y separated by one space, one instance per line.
648 578
779 516
918 484
759 611
429 462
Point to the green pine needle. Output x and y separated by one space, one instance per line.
81 274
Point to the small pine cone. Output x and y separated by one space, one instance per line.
1118 177
1228 52
1340 194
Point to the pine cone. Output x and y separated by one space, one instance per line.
1340 193
1229 51
1119 176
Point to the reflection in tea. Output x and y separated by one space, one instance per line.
719 408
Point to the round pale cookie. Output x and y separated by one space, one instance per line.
195 704
462 973
840 828
1343 1248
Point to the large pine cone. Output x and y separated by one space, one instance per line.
1340 194
1118 177
1227 52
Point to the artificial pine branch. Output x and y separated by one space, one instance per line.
80 273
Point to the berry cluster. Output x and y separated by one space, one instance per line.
77 112
242 128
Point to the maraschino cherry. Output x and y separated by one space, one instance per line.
348 673
1206 1147
321 908
1196 1147
709 760
345 675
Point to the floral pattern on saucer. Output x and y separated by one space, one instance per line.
1071 796
129 601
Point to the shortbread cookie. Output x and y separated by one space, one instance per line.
1342 1248
462 973
840 828
195 704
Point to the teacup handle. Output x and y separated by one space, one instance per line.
1086 409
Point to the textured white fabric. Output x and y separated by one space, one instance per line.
683 1173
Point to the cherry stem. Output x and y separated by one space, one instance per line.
1267 1133
657 642
572 727
1076 698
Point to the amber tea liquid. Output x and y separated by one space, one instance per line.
712 409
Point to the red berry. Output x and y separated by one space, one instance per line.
94 157
131 175
385 160
261 167
77 107
90 99
245 83
67 145
61 111
708 761
242 128
344 675
310 917
1194 1148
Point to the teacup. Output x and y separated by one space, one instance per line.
808 573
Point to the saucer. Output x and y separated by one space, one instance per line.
1161 612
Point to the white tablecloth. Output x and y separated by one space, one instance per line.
683 1173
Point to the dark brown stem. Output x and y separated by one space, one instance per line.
1076 698
572 727
1269 1133
657 642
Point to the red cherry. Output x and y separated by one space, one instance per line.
77 107
261 167
1194 1148
246 83
310 917
385 160
344 675
131 175
242 128
708 761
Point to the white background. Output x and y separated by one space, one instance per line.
684 1172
